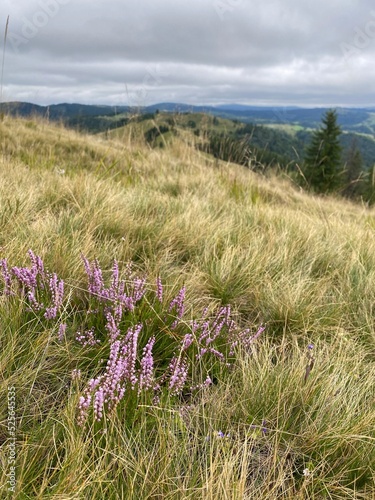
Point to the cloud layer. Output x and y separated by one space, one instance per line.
196 51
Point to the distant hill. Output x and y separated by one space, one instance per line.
291 126
359 120
58 111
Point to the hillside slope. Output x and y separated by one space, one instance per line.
303 266
179 209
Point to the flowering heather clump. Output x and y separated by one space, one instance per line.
131 366
208 331
146 351
109 388
41 290
120 293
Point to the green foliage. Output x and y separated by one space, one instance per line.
191 124
154 132
146 116
323 156
251 151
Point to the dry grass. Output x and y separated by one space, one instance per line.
303 265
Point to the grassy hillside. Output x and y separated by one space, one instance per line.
293 416
270 144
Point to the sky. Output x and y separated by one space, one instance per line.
141 52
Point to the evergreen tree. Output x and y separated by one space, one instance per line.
323 156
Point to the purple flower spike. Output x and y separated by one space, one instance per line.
6 276
179 373
56 287
147 366
112 327
159 290
87 338
178 304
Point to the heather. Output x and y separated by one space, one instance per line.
121 320
134 287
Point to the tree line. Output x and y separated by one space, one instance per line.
322 166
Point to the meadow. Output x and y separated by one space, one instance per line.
173 326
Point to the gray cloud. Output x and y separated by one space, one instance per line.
195 51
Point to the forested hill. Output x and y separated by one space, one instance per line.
359 120
278 135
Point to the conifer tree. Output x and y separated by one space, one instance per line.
323 156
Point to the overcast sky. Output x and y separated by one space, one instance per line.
262 52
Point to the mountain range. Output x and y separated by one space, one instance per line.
359 120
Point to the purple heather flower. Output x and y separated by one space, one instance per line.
139 289
215 352
115 277
95 278
35 305
310 347
244 338
112 327
159 290
109 388
26 277
99 403
115 295
6 276
129 350
56 287
187 341
207 383
156 400
147 366
179 372
178 304
87 338
37 262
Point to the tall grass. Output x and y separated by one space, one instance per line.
276 425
